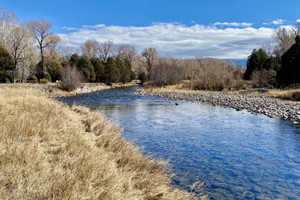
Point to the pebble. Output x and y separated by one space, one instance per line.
259 104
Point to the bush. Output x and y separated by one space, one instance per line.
71 78
216 75
165 74
48 77
44 81
263 78
35 79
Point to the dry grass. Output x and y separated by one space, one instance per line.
49 151
290 94
177 88
53 89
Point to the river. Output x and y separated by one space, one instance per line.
231 154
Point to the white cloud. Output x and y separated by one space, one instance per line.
298 20
93 26
177 40
70 28
235 24
275 22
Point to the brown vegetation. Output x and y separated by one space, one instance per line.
289 94
71 78
202 74
49 151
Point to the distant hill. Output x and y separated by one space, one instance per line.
239 62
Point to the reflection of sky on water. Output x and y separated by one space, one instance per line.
237 155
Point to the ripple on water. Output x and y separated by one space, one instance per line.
236 155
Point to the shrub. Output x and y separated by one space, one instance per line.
44 81
71 78
165 74
48 77
35 79
213 74
263 78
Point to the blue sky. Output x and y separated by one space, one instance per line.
224 29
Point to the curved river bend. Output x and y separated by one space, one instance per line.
234 155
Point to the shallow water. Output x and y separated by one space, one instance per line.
233 154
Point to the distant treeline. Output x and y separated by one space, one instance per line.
29 51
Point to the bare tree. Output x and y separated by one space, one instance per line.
138 65
18 42
90 48
126 52
268 47
151 58
7 20
41 31
284 38
105 50
51 51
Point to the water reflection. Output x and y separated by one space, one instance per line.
237 155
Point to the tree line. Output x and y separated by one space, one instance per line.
277 65
31 51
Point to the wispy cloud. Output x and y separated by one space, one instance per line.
70 28
275 22
177 40
93 26
235 24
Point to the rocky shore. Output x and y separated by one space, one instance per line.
259 104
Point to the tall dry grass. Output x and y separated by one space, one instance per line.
49 151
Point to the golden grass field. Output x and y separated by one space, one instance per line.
50 151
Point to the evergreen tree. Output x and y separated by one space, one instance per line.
111 70
54 69
6 65
74 59
124 71
85 65
290 65
142 77
272 64
99 69
255 61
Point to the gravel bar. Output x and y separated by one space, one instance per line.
272 107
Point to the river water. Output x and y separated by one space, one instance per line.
231 154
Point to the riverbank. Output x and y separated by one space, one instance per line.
51 151
53 90
253 102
